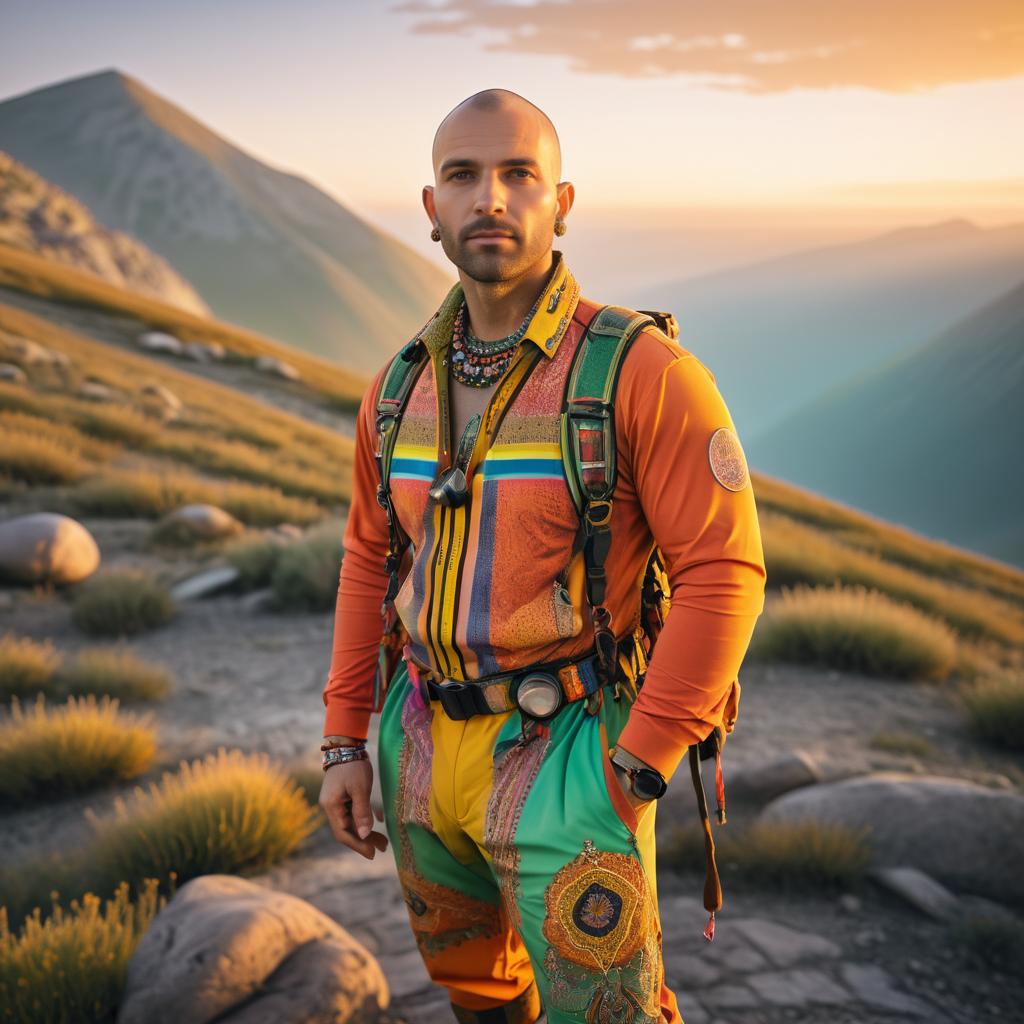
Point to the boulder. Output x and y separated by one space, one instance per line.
158 341
229 950
967 836
30 352
763 782
47 547
204 521
204 351
97 392
15 374
205 583
162 396
278 367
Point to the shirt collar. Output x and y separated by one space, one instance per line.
546 328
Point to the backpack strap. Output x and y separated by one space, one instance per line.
589 457
394 393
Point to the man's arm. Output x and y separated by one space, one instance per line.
669 407
362 583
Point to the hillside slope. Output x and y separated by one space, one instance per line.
42 219
930 440
266 249
779 333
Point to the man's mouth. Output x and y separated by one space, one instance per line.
490 236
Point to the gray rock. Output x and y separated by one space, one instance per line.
782 945
873 986
921 891
12 373
47 547
162 396
210 581
229 950
204 521
31 352
800 986
277 367
96 391
158 341
963 834
764 782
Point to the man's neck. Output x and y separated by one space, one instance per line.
497 308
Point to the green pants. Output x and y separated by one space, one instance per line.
529 877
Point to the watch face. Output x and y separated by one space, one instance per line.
648 784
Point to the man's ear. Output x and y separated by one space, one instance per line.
566 195
428 202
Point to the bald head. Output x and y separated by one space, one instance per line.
505 111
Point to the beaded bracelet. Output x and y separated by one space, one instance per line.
343 755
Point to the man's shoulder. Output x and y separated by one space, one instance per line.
650 352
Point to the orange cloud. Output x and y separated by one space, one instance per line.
754 46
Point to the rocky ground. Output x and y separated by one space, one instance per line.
252 679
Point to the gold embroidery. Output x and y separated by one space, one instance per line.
727 461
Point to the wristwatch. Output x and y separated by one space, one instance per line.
645 782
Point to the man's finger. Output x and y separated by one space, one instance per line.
361 814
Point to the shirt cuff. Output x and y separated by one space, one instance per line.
342 721
661 744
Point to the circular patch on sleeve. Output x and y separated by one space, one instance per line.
728 463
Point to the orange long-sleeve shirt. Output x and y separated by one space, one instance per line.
667 412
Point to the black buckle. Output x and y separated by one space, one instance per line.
457 699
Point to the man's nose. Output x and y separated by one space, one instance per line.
490 195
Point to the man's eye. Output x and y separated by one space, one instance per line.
524 170
457 173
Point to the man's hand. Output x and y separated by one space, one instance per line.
345 798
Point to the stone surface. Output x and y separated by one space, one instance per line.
921 891
784 946
873 986
12 373
47 547
229 950
800 986
211 581
964 834
158 341
277 367
204 521
764 782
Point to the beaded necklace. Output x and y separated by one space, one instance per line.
480 363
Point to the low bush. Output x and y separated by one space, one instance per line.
40 460
790 855
228 812
51 752
26 666
305 577
994 706
115 671
121 602
896 742
255 558
853 629
72 967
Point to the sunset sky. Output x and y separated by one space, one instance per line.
730 105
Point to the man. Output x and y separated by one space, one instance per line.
525 853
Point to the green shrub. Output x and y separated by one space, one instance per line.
997 942
897 742
995 708
255 558
305 577
853 629
47 753
792 855
121 602
72 967
228 812
26 666
116 671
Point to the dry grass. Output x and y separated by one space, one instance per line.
305 574
895 741
853 629
121 602
229 812
51 752
796 553
72 967
114 671
26 666
994 707
40 460
792 855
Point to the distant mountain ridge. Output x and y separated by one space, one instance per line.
930 440
41 218
778 333
265 248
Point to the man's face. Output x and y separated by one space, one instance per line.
497 171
